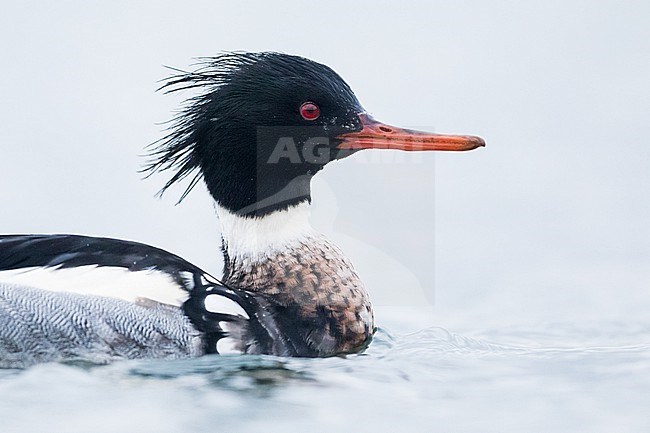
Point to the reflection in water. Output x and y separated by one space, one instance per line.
256 376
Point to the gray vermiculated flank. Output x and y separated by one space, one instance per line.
39 326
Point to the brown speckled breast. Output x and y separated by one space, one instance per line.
316 290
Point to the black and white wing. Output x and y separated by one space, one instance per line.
73 256
98 268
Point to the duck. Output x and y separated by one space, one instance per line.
258 128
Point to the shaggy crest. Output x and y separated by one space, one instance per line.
225 80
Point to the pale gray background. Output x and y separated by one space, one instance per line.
549 222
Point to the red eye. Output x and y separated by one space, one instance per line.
309 111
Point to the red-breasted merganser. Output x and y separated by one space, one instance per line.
262 127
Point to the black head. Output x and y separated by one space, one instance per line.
264 125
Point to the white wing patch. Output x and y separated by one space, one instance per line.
112 282
224 305
228 346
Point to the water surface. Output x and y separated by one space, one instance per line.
552 378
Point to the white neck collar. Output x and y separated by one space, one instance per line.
259 237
